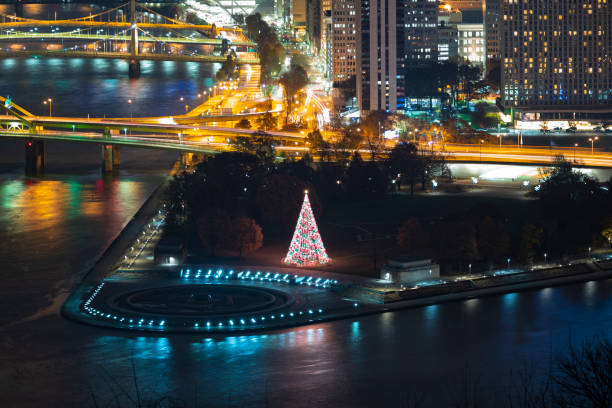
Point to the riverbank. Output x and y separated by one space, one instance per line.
316 296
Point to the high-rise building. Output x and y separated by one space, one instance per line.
448 34
283 11
299 12
344 39
471 35
556 58
492 32
393 35
313 23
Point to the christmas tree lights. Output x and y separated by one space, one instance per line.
306 247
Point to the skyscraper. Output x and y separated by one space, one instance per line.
492 32
394 34
344 39
556 58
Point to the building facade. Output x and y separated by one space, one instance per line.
492 30
556 57
393 34
472 43
344 39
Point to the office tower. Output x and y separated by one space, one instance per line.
492 32
313 23
471 35
299 12
344 39
394 34
448 35
556 58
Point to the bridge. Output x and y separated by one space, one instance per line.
145 35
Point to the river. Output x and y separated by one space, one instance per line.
52 228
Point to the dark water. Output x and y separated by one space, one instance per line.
52 228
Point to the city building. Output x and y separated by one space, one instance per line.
298 10
448 35
409 269
492 31
393 34
283 12
471 36
314 24
556 58
344 39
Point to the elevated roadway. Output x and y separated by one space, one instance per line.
124 55
80 36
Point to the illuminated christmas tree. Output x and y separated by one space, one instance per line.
306 247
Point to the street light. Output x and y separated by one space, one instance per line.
575 145
545 255
592 140
481 142
50 102
131 112
508 260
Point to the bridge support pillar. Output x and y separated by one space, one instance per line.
134 69
110 159
35 157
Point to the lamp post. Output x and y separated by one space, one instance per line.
508 260
592 140
481 142
49 101
129 101
575 145
499 137
545 255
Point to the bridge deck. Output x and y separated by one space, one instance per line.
123 55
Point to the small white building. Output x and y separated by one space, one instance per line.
409 269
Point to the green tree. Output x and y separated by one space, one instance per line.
267 121
530 242
271 51
293 80
405 165
227 70
243 124
411 237
213 229
260 144
492 239
243 235
364 180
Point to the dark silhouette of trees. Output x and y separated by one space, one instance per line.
293 80
271 51
243 124
411 237
364 180
260 144
243 235
267 121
